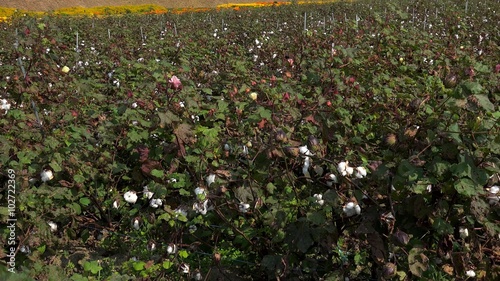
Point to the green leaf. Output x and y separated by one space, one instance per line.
41 249
92 266
79 178
167 264
138 266
467 187
84 201
183 254
157 173
55 166
485 102
167 118
299 235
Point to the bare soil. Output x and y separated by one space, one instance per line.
49 5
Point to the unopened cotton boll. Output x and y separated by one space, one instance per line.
130 197
46 175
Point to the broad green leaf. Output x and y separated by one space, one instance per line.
79 178
467 187
167 264
157 173
84 201
485 102
138 266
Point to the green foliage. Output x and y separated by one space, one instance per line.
232 172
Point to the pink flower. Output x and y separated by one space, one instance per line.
175 83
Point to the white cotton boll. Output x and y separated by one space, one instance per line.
130 197
304 150
116 204
341 167
148 194
494 189
464 232
470 273
319 199
155 203
53 226
210 179
349 171
185 268
351 209
46 175
180 212
134 105
305 168
243 207
135 223
201 208
4 105
331 179
171 249
360 172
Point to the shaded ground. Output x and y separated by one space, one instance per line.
48 5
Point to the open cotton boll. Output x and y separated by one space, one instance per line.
46 175
53 226
172 248
303 150
351 209
319 199
155 203
470 273
494 189
148 194
135 223
360 172
344 169
305 168
331 179
130 197
464 232
210 179
243 207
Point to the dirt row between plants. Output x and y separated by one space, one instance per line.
49 5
